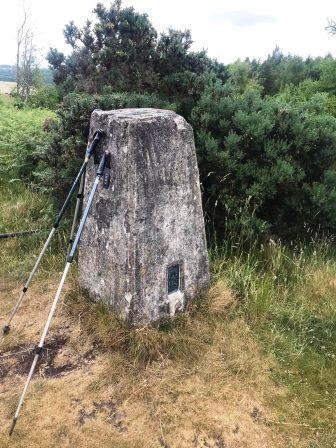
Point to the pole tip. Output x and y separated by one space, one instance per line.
12 426
6 329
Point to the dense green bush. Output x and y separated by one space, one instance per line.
21 138
45 97
121 49
265 162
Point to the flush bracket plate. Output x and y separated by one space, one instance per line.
173 278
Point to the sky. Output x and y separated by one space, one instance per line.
227 29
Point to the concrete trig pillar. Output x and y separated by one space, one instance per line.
143 251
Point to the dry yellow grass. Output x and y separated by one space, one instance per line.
85 395
6 87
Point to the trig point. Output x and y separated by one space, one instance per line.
143 251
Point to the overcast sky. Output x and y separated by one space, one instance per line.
228 29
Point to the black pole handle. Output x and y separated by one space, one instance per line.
96 138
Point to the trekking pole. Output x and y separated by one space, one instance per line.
90 150
106 182
19 234
77 208
38 349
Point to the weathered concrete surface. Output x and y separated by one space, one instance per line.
149 219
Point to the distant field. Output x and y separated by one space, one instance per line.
7 73
6 86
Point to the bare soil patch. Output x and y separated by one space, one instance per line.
57 359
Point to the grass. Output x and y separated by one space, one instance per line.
22 208
288 299
191 383
250 364
232 371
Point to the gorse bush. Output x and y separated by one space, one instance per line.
122 49
266 162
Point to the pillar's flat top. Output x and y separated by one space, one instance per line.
135 114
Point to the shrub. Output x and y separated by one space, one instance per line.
265 162
21 137
122 49
45 97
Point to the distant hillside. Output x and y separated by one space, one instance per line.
7 73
